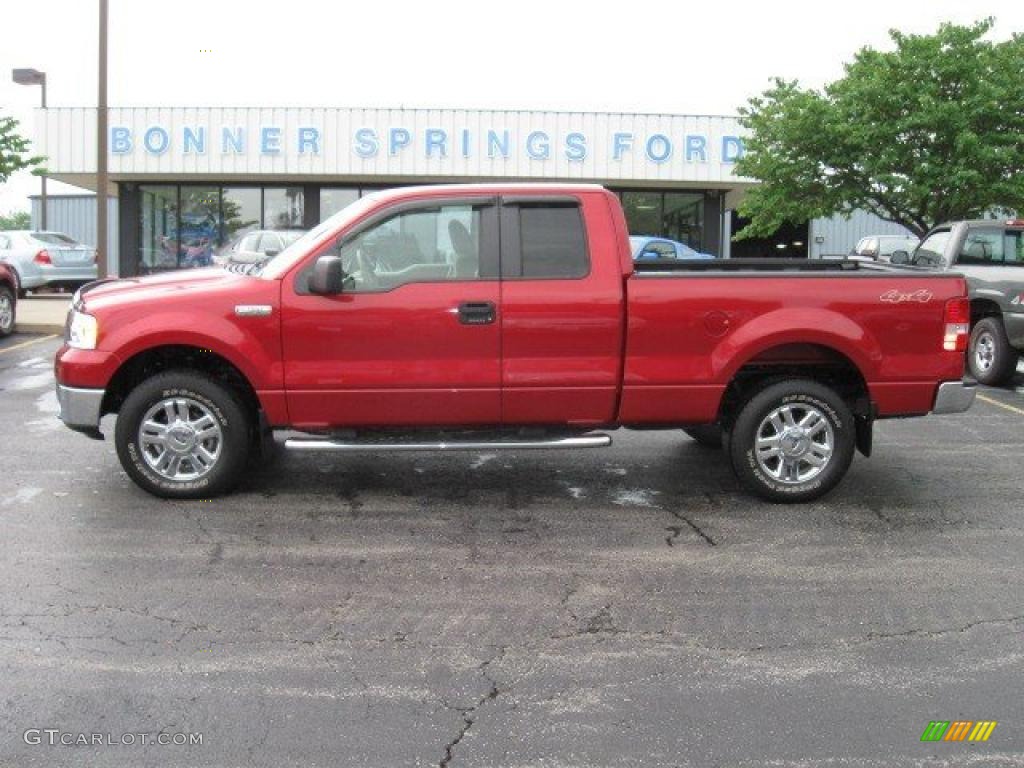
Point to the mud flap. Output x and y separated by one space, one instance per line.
865 434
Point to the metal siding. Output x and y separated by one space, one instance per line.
841 235
67 137
76 216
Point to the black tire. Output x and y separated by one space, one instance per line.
8 307
705 435
802 396
199 392
990 357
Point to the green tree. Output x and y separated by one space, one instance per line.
929 132
15 220
14 151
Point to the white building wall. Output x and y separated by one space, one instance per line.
839 235
151 142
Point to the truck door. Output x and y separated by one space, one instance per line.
413 338
562 310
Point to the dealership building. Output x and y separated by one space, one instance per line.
189 181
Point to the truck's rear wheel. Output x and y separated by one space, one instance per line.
705 435
793 441
182 435
989 355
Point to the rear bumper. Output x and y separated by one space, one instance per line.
954 397
80 408
44 275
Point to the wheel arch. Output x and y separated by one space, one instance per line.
158 359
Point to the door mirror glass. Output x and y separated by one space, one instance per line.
327 277
900 257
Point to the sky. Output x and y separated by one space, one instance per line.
637 56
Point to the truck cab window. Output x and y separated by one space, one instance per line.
429 245
552 242
982 246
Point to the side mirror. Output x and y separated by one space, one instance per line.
271 253
899 257
328 276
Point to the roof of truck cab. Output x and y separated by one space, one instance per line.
454 190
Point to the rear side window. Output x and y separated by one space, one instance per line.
982 246
1015 247
551 242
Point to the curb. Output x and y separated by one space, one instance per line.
44 328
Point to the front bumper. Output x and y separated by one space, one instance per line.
954 397
80 408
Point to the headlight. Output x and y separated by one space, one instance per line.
82 330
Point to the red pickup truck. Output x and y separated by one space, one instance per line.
506 316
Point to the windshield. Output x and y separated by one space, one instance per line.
296 250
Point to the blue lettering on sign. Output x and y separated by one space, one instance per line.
233 141
465 142
732 149
437 139
538 146
120 140
576 147
495 144
366 143
270 140
195 140
400 138
309 139
658 148
696 147
156 140
621 142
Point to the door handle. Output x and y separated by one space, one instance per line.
476 312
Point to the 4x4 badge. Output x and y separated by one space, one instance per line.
897 297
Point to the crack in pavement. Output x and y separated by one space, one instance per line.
676 530
469 713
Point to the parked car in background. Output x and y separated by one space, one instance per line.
257 246
50 259
8 300
881 247
990 254
647 248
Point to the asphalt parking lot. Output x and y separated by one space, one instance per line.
620 607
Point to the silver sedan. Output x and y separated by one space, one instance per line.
47 259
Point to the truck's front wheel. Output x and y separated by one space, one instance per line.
182 435
793 441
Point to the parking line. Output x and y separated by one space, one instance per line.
1013 408
40 341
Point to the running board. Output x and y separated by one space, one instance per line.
596 440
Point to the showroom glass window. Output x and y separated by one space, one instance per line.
333 200
673 215
282 207
241 213
158 220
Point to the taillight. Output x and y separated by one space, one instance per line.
43 257
958 325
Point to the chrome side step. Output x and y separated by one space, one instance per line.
595 440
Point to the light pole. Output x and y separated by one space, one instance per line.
35 77
101 149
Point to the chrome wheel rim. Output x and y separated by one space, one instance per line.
6 312
984 351
180 438
794 443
